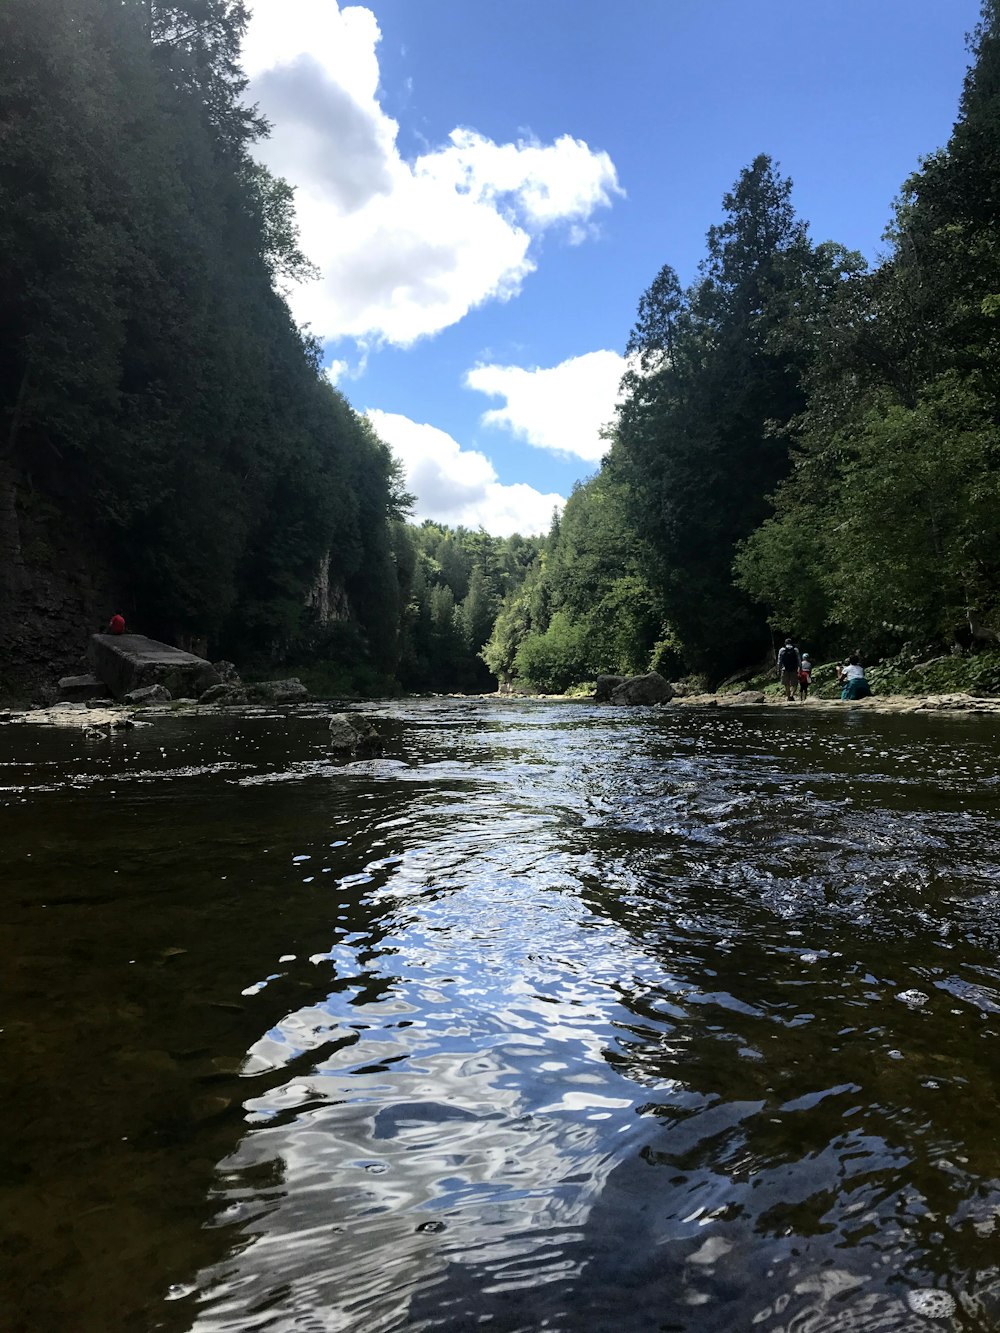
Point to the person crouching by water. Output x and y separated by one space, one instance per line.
788 668
852 679
805 675
116 625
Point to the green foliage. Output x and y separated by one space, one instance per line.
887 527
453 593
552 661
587 606
702 434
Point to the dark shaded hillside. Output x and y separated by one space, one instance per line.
167 439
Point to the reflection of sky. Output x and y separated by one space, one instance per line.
468 1116
577 931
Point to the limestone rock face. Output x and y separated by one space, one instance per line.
349 733
648 689
605 685
289 691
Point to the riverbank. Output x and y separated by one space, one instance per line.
107 718
875 703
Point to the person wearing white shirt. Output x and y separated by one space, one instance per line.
852 678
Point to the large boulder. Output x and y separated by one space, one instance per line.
349 733
648 689
604 687
290 691
126 662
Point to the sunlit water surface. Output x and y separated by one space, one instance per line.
550 1017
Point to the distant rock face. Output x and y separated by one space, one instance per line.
278 691
605 685
648 689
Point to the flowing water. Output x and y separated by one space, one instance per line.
548 1018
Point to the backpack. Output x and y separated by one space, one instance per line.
788 659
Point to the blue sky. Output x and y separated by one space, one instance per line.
487 190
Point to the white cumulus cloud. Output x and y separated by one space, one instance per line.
561 408
460 486
405 248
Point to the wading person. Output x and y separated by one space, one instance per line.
805 675
788 668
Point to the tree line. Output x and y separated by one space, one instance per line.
804 443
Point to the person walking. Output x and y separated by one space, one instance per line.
788 668
805 675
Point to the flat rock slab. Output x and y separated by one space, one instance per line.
82 689
127 662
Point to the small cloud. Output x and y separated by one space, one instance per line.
460 486
340 369
561 408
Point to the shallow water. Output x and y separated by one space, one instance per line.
549 1018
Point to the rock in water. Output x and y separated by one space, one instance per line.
649 689
289 691
224 694
604 686
148 694
351 733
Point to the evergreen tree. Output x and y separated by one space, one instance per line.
703 430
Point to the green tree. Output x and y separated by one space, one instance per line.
703 431
885 527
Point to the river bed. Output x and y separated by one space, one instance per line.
551 1017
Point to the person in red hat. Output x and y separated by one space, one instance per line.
117 624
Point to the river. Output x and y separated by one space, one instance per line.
551 1017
